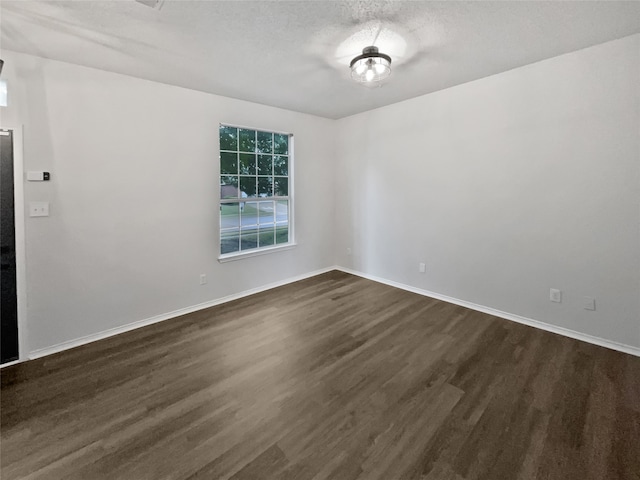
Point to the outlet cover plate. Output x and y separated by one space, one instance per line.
555 295
589 303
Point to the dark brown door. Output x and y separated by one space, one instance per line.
8 292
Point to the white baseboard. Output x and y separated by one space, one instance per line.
12 362
498 313
176 313
165 316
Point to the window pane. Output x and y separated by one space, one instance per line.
264 164
265 186
281 186
248 240
267 237
228 186
228 138
229 215
282 234
254 167
280 144
247 164
282 211
247 140
248 186
229 241
266 214
280 165
265 142
228 163
249 215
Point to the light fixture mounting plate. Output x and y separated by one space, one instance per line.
370 52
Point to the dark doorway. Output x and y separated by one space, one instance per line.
8 292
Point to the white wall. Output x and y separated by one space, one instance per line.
133 191
505 187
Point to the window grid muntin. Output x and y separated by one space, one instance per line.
255 228
275 200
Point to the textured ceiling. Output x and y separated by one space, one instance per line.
295 55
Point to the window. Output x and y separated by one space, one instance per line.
255 190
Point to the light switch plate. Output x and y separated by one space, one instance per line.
39 209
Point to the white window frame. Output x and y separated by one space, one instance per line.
241 254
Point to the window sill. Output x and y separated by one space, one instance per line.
232 257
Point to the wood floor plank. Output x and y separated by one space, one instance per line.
332 377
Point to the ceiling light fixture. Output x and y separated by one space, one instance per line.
371 67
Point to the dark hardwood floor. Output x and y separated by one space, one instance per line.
332 377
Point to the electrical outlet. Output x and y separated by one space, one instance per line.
589 303
203 279
348 251
555 295
422 267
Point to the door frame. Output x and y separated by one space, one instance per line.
21 270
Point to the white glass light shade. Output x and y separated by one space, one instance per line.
370 70
371 67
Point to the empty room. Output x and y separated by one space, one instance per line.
340 240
